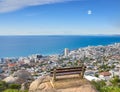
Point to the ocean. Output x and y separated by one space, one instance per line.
16 46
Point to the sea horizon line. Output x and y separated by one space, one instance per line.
64 35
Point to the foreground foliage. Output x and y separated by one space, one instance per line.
99 85
102 87
5 87
110 89
13 90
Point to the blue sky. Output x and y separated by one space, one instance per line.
59 17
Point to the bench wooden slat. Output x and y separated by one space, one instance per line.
67 73
67 68
64 71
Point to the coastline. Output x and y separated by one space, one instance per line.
52 54
16 46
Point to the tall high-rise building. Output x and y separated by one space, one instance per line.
66 52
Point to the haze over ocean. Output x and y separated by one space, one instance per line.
15 46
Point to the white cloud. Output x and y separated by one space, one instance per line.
12 5
89 12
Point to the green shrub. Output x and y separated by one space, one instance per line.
11 90
14 86
96 75
101 86
98 85
115 81
110 89
3 85
14 90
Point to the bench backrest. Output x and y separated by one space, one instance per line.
67 71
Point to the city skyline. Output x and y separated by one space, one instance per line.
59 17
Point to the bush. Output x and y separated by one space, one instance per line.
3 85
96 75
99 85
14 86
115 81
13 90
110 89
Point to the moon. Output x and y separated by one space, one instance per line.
89 12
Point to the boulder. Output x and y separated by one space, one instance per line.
19 77
10 79
43 85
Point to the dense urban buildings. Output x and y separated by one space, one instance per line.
102 62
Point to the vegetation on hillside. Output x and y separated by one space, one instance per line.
102 87
14 90
5 87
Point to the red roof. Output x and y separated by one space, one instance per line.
105 73
11 65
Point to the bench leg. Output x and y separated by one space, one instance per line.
54 75
81 75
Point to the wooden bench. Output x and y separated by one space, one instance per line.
67 71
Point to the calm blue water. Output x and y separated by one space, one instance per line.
14 46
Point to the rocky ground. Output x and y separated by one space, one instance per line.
70 85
